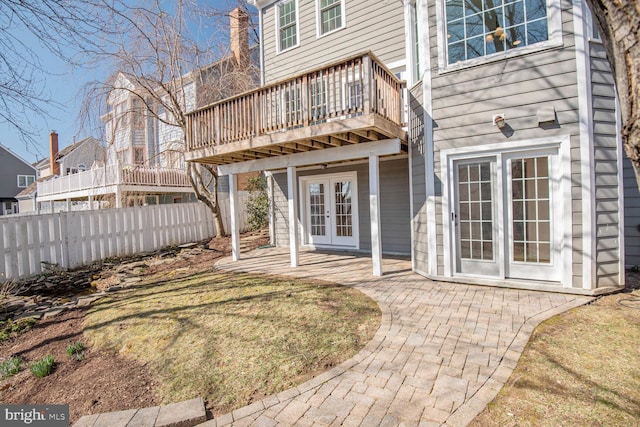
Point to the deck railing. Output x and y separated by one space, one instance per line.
355 86
114 175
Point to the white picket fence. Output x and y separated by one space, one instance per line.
76 238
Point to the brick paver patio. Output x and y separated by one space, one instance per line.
442 352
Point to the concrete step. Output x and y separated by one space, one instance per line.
182 414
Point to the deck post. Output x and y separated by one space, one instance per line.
233 210
292 198
374 210
118 197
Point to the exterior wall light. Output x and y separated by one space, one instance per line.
498 120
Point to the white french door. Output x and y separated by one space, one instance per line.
506 216
474 217
330 210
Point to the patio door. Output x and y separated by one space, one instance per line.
506 216
533 217
330 210
474 218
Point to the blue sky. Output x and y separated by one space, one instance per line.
63 84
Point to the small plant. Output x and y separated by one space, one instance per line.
76 350
258 203
10 367
11 329
43 367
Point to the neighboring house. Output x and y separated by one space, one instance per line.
15 175
508 170
144 161
77 157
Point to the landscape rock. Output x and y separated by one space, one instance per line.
13 305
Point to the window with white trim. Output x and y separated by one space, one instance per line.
287 25
477 28
25 180
591 27
330 15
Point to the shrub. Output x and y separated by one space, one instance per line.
10 366
43 367
258 203
76 350
11 329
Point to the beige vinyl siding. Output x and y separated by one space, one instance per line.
281 209
606 169
375 26
419 213
394 204
465 100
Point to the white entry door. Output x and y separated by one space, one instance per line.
330 210
507 216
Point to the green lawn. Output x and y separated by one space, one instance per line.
581 368
233 338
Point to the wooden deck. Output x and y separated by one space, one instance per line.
104 179
356 100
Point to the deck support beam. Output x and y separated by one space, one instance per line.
292 199
374 210
233 210
327 155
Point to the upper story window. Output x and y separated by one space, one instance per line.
287 25
591 27
477 28
137 112
25 180
138 156
330 15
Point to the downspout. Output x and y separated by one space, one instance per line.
261 44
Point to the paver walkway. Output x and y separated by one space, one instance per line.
442 352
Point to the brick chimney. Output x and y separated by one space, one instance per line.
54 166
239 28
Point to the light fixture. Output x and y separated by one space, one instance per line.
499 121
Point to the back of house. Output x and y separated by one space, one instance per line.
500 165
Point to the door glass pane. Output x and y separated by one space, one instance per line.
344 226
475 207
316 209
531 217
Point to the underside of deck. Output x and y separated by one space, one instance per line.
336 133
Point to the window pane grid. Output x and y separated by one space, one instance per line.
531 210
475 211
287 25
330 15
344 226
477 28
316 209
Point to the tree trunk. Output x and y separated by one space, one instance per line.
206 196
619 25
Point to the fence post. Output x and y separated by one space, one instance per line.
64 239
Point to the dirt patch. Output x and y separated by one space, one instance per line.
102 381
